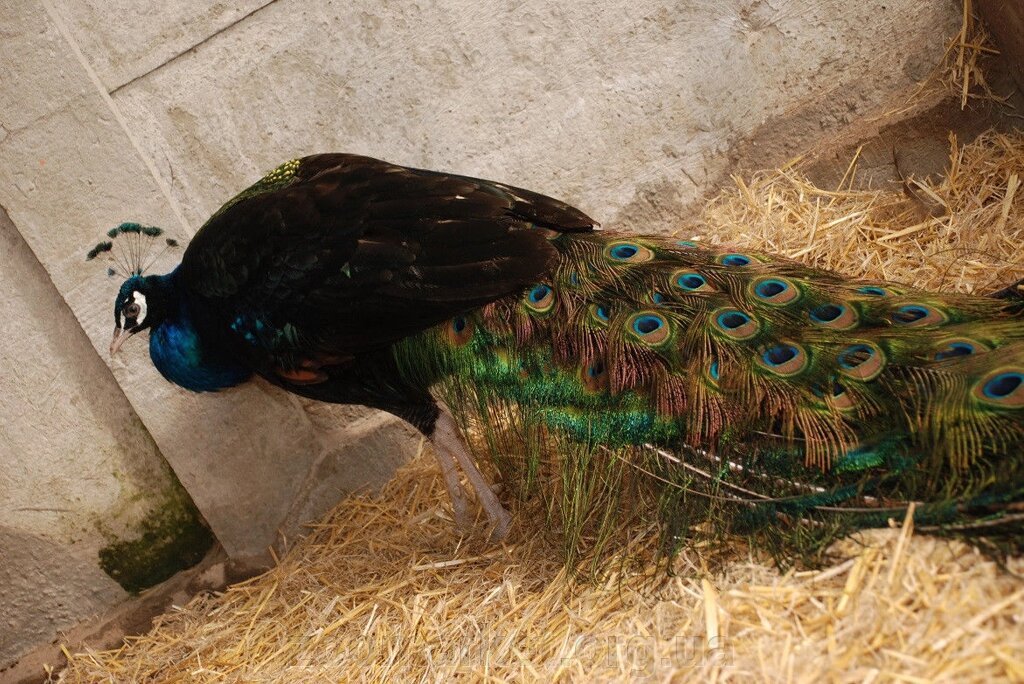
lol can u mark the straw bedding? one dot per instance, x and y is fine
(383, 591)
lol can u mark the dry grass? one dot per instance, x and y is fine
(962, 71)
(384, 590)
(960, 233)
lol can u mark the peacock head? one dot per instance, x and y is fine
(142, 302)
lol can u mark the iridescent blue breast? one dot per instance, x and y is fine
(178, 354)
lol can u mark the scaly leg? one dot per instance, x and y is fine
(460, 504)
(446, 439)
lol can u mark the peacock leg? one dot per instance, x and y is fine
(460, 504)
(446, 438)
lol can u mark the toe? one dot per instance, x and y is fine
(501, 522)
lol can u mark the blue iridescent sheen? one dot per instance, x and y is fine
(645, 325)
(770, 288)
(826, 313)
(691, 281)
(623, 252)
(779, 354)
(181, 357)
(850, 357)
(538, 293)
(909, 313)
(735, 260)
(1003, 385)
(732, 319)
(954, 350)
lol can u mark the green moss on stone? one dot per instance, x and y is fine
(172, 537)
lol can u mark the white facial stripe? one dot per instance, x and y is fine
(140, 299)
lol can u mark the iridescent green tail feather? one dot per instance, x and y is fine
(737, 393)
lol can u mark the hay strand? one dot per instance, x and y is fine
(886, 234)
(373, 596)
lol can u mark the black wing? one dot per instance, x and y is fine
(355, 253)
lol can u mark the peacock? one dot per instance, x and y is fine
(731, 393)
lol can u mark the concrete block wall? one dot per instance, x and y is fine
(81, 480)
(159, 111)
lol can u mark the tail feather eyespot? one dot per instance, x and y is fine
(650, 328)
(594, 375)
(540, 298)
(600, 314)
(735, 324)
(689, 281)
(786, 359)
(861, 361)
(775, 291)
(627, 253)
(917, 315)
(735, 260)
(1003, 387)
(838, 397)
(841, 399)
(833, 315)
(460, 330)
(957, 347)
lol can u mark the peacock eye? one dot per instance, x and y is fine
(135, 309)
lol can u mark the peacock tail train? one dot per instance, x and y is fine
(738, 394)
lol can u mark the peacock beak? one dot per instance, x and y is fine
(120, 335)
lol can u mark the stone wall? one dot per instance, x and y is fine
(81, 480)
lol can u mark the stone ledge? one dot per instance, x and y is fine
(134, 616)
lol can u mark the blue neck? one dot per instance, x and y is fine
(181, 356)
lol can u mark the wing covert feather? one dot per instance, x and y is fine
(352, 253)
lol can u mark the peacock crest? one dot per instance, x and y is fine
(138, 247)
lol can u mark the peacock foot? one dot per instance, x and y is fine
(449, 450)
